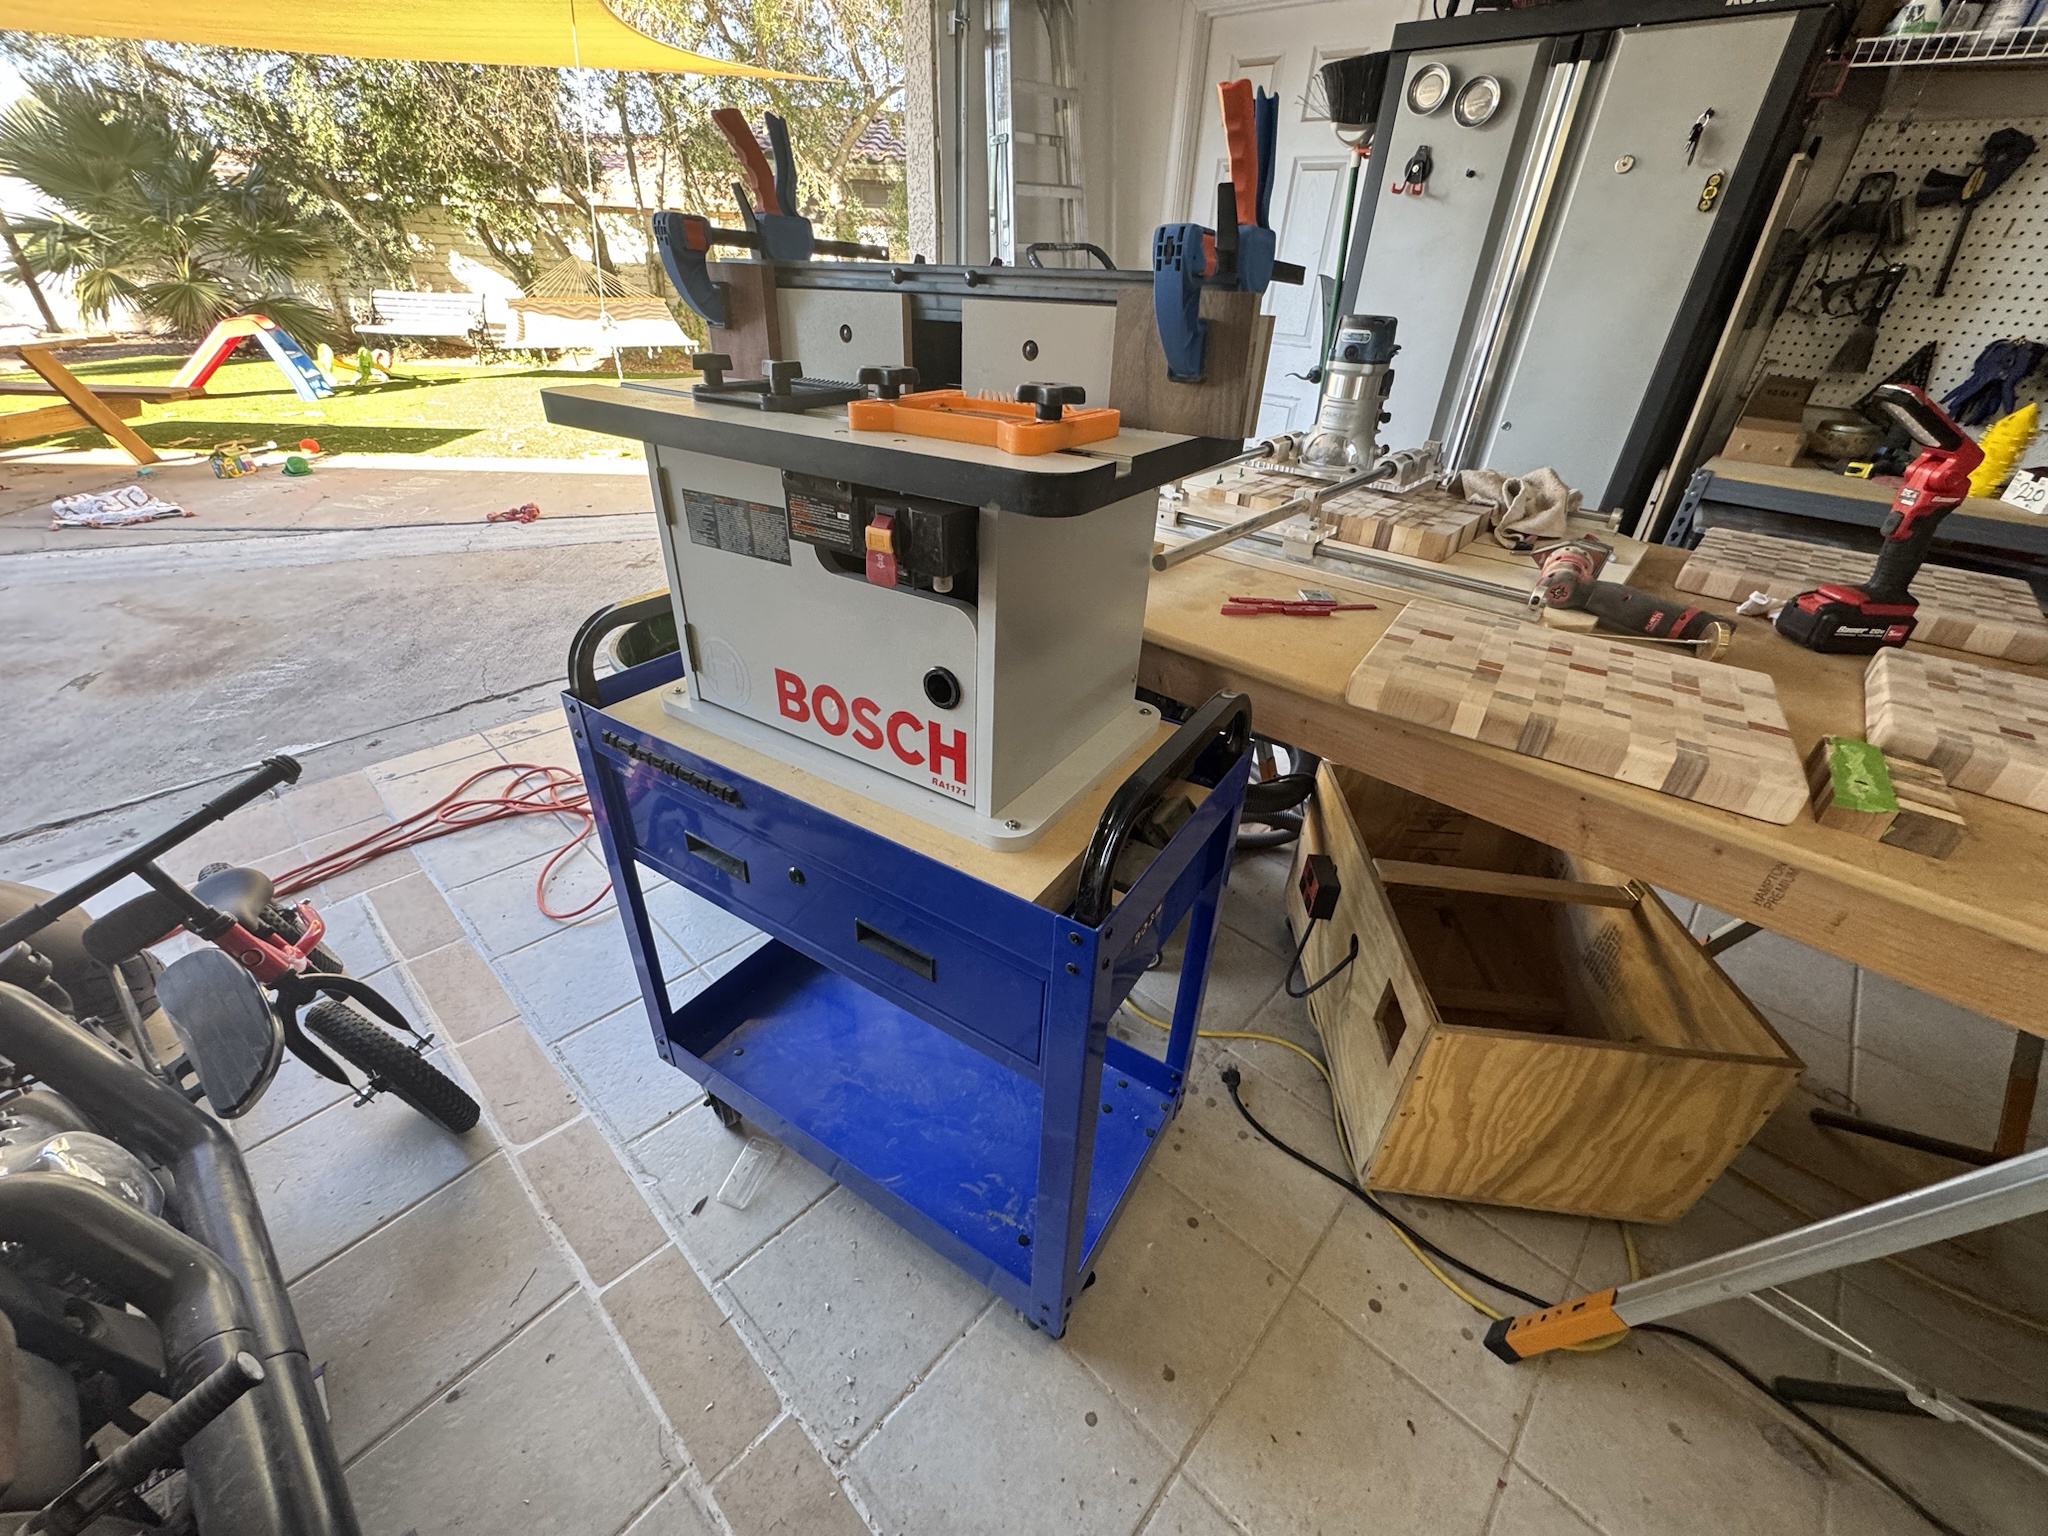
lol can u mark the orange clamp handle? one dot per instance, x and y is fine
(1241, 133)
(740, 135)
(1578, 1321)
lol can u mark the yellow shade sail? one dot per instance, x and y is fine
(556, 34)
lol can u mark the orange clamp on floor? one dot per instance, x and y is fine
(959, 417)
(1578, 1321)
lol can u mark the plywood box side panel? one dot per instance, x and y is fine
(1395, 823)
(1535, 1122)
(1648, 980)
(1382, 988)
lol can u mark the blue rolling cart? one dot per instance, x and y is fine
(936, 1043)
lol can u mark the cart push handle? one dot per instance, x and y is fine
(1225, 720)
(592, 633)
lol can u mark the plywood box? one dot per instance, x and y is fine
(1515, 1041)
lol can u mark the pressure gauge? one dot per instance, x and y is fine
(1430, 88)
(1478, 101)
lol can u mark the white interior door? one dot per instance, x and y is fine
(1281, 48)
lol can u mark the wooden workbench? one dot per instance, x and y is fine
(1972, 929)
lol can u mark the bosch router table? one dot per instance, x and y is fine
(900, 735)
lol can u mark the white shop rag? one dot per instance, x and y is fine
(1537, 505)
(111, 509)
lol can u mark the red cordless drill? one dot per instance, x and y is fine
(1881, 612)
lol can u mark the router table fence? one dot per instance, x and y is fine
(937, 1044)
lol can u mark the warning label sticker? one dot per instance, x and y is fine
(814, 520)
(750, 528)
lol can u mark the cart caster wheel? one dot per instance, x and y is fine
(728, 1117)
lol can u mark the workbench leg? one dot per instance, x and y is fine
(2022, 1084)
(615, 836)
(87, 404)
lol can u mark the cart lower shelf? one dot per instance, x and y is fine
(895, 1108)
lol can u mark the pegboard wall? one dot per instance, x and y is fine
(1998, 288)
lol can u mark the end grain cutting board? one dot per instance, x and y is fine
(1985, 729)
(1424, 522)
(1963, 610)
(1698, 730)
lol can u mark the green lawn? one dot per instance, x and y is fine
(431, 407)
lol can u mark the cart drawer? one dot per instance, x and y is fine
(906, 953)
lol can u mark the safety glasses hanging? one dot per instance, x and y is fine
(1319, 892)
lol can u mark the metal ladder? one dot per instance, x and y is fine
(1044, 199)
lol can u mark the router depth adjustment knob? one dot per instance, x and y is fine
(1051, 399)
(783, 374)
(887, 383)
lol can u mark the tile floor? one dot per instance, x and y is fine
(552, 1325)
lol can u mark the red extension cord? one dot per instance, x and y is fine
(535, 789)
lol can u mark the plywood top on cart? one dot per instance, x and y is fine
(1848, 894)
(1045, 873)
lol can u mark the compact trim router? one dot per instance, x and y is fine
(941, 626)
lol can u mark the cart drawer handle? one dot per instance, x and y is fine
(889, 948)
(716, 856)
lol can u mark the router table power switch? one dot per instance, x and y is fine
(892, 540)
(881, 550)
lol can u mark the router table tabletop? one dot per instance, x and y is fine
(1972, 928)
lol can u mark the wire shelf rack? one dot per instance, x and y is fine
(2011, 45)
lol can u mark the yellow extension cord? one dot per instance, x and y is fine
(1421, 1255)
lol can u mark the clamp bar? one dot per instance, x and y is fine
(1307, 501)
(1969, 1202)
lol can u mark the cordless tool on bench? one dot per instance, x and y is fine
(777, 230)
(1858, 620)
(1238, 253)
(1570, 579)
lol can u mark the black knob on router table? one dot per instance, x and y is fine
(887, 383)
(783, 374)
(942, 688)
(1051, 399)
(712, 365)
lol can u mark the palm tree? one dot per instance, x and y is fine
(147, 218)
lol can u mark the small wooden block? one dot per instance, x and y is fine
(1852, 791)
(1986, 730)
(1961, 610)
(1225, 403)
(754, 338)
(1697, 730)
(1928, 821)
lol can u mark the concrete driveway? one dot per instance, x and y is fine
(347, 617)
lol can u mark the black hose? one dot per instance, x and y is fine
(268, 1463)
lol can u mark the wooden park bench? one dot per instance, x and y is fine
(405, 312)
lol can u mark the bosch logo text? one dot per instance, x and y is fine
(940, 750)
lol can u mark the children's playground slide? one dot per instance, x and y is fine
(306, 378)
